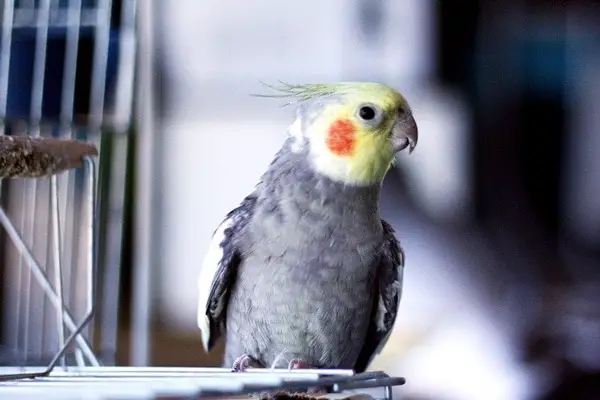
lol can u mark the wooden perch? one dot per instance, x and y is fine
(29, 157)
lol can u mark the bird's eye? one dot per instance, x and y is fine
(367, 113)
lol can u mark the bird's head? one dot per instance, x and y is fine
(351, 131)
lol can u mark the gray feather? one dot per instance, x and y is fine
(226, 273)
(303, 271)
(389, 281)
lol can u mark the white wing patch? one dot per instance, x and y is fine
(210, 265)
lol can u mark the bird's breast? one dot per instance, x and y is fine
(315, 307)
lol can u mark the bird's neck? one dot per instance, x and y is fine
(293, 187)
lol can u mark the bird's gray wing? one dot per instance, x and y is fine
(390, 272)
(219, 272)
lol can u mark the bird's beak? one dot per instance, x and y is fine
(405, 133)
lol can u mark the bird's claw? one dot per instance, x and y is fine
(244, 362)
(296, 363)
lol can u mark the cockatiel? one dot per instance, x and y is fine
(304, 269)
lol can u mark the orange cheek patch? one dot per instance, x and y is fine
(341, 138)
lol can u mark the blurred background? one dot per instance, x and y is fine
(498, 209)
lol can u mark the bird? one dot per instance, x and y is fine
(304, 269)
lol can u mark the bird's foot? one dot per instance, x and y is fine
(296, 363)
(244, 362)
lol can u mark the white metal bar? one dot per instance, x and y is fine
(27, 211)
(92, 235)
(179, 371)
(39, 63)
(22, 297)
(56, 252)
(73, 17)
(132, 382)
(101, 47)
(70, 63)
(43, 312)
(5, 49)
(126, 66)
(143, 221)
(5, 54)
(31, 189)
(98, 79)
(76, 275)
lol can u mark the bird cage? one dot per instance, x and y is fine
(66, 70)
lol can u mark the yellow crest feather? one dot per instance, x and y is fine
(310, 91)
